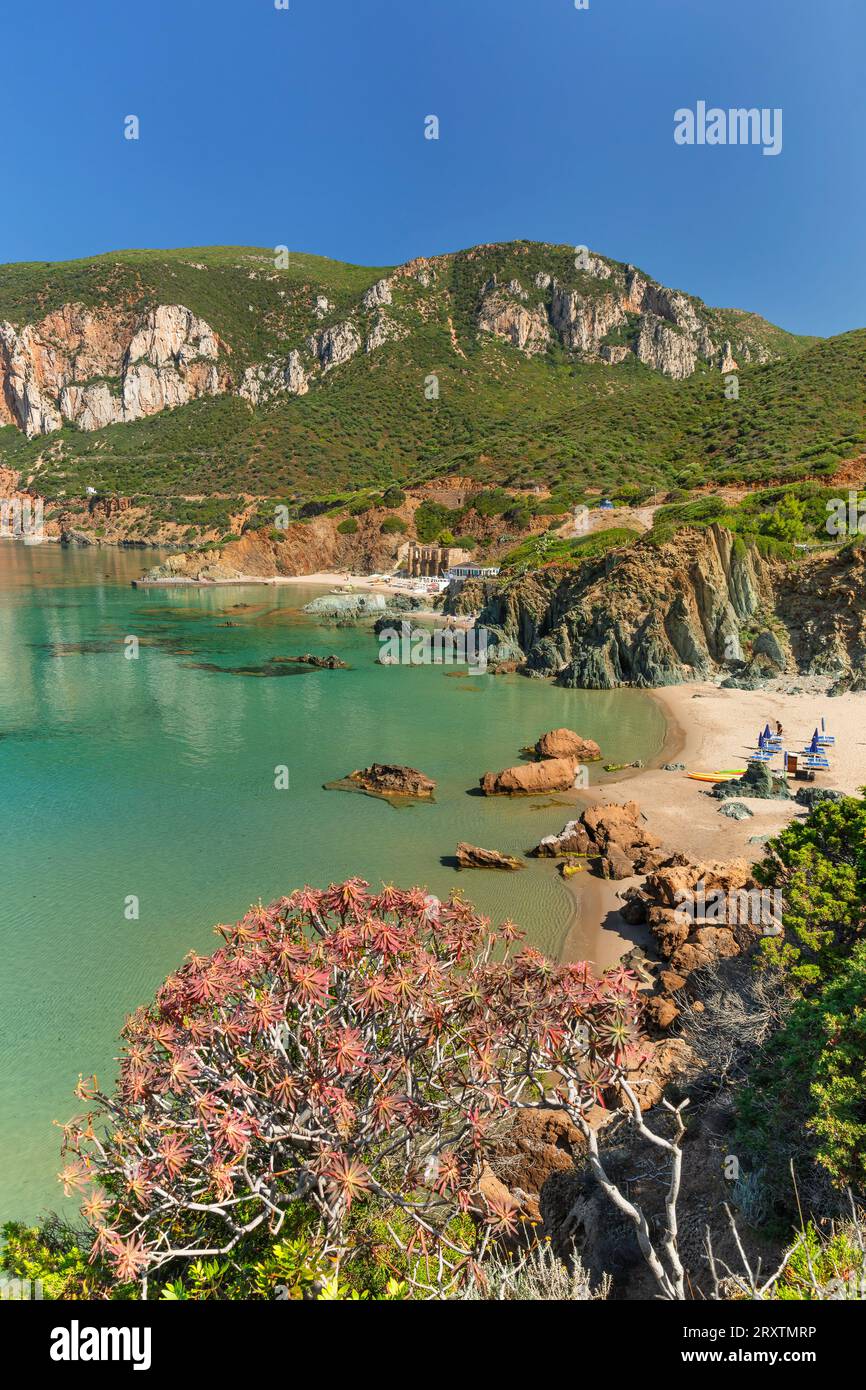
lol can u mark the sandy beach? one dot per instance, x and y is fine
(709, 729)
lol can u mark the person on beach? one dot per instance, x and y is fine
(778, 729)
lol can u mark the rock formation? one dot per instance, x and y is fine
(658, 614)
(324, 663)
(473, 857)
(551, 775)
(612, 838)
(390, 779)
(54, 372)
(697, 914)
(564, 743)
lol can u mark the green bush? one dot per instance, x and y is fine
(820, 867)
(810, 1078)
(431, 519)
(393, 525)
(348, 527)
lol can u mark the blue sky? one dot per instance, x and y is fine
(304, 127)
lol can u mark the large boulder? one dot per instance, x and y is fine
(551, 775)
(572, 839)
(613, 836)
(564, 743)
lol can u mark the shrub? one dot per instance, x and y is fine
(393, 497)
(810, 1080)
(340, 1047)
(820, 866)
(348, 527)
(393, 525)
(787, 522)
(431, 519)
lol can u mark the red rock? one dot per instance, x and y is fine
(564, 743)
(552, 775)
(473, 857)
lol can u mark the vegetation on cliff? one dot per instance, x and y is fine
(499, 413)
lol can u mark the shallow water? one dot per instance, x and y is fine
(154, 777)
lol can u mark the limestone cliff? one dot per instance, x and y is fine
(97, 367)
(665, 329)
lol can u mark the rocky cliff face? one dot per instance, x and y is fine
(663, 328)
(658, 615)
(96, 367)
(649, 615)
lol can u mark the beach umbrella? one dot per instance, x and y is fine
(814, 746)
(767, 733)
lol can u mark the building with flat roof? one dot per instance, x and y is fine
(473, 572)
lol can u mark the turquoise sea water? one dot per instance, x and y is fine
(155, 778)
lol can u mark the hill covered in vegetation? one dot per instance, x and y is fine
(247, 371)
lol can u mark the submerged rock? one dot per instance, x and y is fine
(473, 857)
(388, 780)
(325, 663)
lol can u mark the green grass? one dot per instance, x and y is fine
(550, 549)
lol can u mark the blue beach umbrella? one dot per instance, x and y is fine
(814, 746)
(767, 733)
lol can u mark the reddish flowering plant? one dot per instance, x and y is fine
(338, 1047)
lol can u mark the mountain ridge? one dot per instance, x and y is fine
(506, 360)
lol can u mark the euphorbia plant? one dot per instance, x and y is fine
(340, 1045)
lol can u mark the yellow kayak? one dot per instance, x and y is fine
(730, 776)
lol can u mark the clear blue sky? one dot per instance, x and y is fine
(305, 128)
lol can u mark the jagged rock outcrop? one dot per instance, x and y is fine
(503, 315)
(648, 615)
(697, 914)
(665, 329)
(611, 837)
(263, 382)
(378, 294)
(336, 345)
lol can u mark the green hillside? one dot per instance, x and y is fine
(500, 416)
